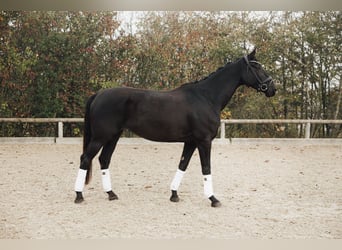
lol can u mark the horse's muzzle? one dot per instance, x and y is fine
(270, 90)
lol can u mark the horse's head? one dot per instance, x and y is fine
(255, 76)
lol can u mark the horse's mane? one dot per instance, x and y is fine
(208, 76)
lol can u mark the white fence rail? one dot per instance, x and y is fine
(61, 121)
(306, 122)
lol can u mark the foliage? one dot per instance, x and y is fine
(50, 62)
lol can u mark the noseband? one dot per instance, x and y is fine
(262, 84)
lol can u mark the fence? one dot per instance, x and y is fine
(61, 121)
(306, 122)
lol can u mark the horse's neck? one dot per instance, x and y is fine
(221, 86)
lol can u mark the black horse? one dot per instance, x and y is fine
(189, 114)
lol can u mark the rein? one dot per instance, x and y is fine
(262, 84)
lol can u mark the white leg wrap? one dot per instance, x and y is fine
(177, 180)
(106, 183)
(208, 186)
(80, 181)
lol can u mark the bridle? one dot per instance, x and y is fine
(262, 84)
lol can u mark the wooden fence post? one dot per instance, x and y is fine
(307, 130)
(60, 130)
(223, 130)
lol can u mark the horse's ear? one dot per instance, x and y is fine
(251, 56)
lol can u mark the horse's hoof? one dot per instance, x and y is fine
(112, 196)
(216, 204)
(79, 200)
(174, 199)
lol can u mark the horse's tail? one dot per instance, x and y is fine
(87, 135)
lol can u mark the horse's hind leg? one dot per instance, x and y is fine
(85, 166)
(188, 151)
(104, 159)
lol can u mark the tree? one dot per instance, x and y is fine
(50, 62)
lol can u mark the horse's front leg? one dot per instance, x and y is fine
(204, 149)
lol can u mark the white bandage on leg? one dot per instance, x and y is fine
(80, 181)
(208, 186)
(177, 180)
(106, 183)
